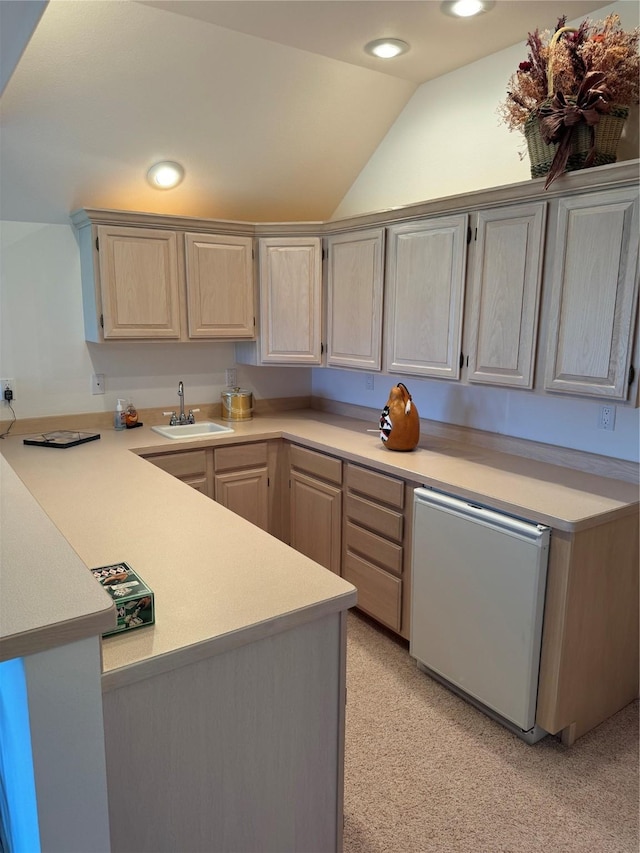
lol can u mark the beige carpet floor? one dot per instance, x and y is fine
(425, 772)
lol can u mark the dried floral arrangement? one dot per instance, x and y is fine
(573, 77)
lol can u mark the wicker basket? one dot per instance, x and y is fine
(607, 136)
(607, 132)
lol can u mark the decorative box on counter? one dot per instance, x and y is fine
(131, 595)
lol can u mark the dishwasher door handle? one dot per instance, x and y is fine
(530, 530)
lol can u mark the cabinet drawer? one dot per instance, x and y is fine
(380, 487)
(379, 593)
(191, 463)
(386, 554)
(325, 467)
(385, 522)
(241, 456)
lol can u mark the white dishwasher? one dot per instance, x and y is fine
(478, 587)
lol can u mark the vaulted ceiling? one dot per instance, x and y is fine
(272, 107)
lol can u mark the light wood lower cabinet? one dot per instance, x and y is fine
(316, 506)
(241, 481)
(362, 532)
(375, 556)
(357, 522)
(193, 467)
(590, 635)
(236, 476)
(243, 477)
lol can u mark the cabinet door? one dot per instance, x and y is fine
(316, 510)
(505, 295)
(219, 286)
(139, 282)
(354, 300)
(425, 278)
(594, 295)
(290, 300)
(245, 493)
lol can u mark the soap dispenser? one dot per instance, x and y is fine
(119, 416)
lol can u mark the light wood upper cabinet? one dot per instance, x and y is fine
(354, 299)
(139, 282)
(426, 263)
(220, 300)
(147, 277)
(505, 294)
(290, 300)
(594, 294)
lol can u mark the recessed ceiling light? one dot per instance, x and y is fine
(386, 48)
(466, 8)
(165, 175)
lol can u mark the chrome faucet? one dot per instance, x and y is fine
(182, 419)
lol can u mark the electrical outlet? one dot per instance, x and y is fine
(97, 383)
(8, 383)
(368, 381)
(231, 377)
(607, 418)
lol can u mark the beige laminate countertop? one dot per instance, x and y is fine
(37, 568)
(548, 494)
(220, 581)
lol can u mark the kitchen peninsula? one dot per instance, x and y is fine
(241, 681)
(224, 721)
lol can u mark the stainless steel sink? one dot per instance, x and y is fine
(201, 430)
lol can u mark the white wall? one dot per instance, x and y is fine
(448, 140)
(42, 344)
